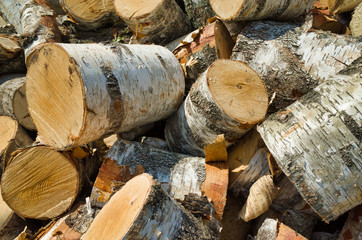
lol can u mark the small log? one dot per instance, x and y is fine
(11, 55)
(321, 131)
(356, 22)
(158, 21)
(94, 91)
(252, 10)
(127, 215)
(13, 100)
(198, 11)
(339, 6)
(352, 228)
(274, 230)
(42, 183)
(228, 98)
(12, 137)
(223, 41)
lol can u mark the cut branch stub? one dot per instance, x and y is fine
(98, 90)
(229, 98)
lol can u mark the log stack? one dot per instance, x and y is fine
(214, 114)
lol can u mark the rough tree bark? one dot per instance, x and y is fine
(316, 142)
(356, 22)
(228, 98)
(13, 100)
(11, 55)
(274, 230)
(158, 21)
(254, 10)
(142, 210)
(98, 90)
(198, 11)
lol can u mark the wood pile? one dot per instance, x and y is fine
(180, 119)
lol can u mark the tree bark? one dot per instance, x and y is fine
(142, 210)
(256, 10)
(356, 22)
(274, 230)
(321, 131)
(11, 55)
(157, 21)
(13, 100)
(102, 90)
(290, 61)
(198, 11)
(228, 98)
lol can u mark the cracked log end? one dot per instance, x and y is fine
(87, 10)
(40, 183)
(136, 9)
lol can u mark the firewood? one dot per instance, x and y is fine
(228, 98)
(158, 21)
(338, 6)
(198, 11)
(11, 55)
(274, 230)
(155, 142)
(42, 183)
(127, 215)
(135, 132)
(98, 90)
(356, 22)
(13, 101)
(55, 5)
(297, 61)
(216, 151)
(315, 142)
(223, 41)
(12, 137)
(352, 228)
(251, 10)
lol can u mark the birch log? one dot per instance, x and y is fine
(198, 11)
(98, 90)
(290, 61)
(142, 210)
(31, 19)
(356, 22)
(11, 55)
(158, 21)
(317, 142)
(12, 137)
(42, 183)
(228, 98)
(13, 100)
(255, 10)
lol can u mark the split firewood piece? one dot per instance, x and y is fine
(274, 230)
(297, 60)
(127, 215)
(11, 225)
(33, 20)
(356, 22)
(257, 167)
(251, 10)
(229, 98)
(223, 41)
(42, 183)
(98, 90)
(11, 55)
(262, 194)
(352, 228)
(198, 11)
(321, 131)
(216, 151)
(13, 100)
(158, 21)
(339, 6)
(12, 137)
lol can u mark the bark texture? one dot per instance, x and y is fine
(274, 230)
(356, 22)
(198, 12)
(323, 171)
(11, 55)
(352, 228)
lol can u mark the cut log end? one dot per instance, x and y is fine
(85, 10)
(55, 95)
(8, 129)
(232, 83)
(40, 183)
(20, 108)
(135, 9)
(227, 10)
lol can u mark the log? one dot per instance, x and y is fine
(42, 183)
(155, 142)
(34, 20)
(228, 98)
(198, 11)
(352, 228)
(12, 137)
(13, 100)
(157, 21)
(291, 61)
(356, 22)
(339, 6)
(223, 41)
(274, 230)
(142, 210)
(300, 140)
(252, 10)
(99, 90)
(11, 55)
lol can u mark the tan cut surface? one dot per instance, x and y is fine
(20, 108)
(8, 128)
(226, 9)
(135, 9)
(5, 212)
(40, 183)
(88, 10)
(238, 91)
(55, 95)
(118, 215)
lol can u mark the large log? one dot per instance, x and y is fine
(158, 21)
(291, 61)
(42, 183)
(11, 55)
(13, 101)
(316, 142)
(98, 90)
(254, 10)
(228, 98)
(142, 210)
(356, 22)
